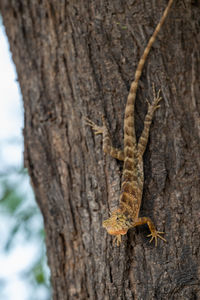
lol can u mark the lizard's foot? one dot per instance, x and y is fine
(156, 98)
(155, 235)
(117, 239)
(97, 129)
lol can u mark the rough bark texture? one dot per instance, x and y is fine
(76, 59)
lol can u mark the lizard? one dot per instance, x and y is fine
(126, 215)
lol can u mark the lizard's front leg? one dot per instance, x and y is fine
(154, 233)
(107, 143)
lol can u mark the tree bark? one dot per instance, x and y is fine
(76, 59)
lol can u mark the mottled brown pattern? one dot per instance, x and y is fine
(129, 152)
(127, 215)
(118, 154)
(128, 131)
(128, 165)
(129, 143)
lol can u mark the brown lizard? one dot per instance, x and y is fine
(127, 214)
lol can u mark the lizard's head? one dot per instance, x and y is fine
(118, 223)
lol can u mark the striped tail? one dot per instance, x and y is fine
(129, 132)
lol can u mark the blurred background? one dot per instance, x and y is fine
(24, 273)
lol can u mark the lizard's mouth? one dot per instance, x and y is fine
(114, 231)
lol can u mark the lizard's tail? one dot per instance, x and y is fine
(129, 110)
(130, 148)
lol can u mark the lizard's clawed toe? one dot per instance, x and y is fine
(155, 235)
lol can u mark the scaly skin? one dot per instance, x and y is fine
(127, 214)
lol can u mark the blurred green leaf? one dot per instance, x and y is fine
(39, 273)
(10, 199)
(11, 237)
(26, 222)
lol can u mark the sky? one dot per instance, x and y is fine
(11, 112)
(12, 264)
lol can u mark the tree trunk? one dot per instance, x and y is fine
(76, 59)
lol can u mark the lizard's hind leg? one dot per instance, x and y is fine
(147, 122)
(107, 143)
